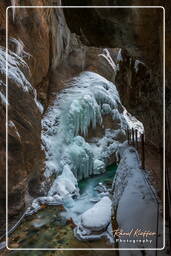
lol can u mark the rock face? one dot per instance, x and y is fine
(129, 29)
(31, 29)
(139, 32)
(42, 39)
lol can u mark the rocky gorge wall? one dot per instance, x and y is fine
(61, 50)
(140, 33)
(32, 27)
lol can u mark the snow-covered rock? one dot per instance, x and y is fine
(100, 188)
(65, 184)
(47, 200)
(94, 220)
(133, 122)
(16, 67)
(99, 166)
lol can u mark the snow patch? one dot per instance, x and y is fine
(119, 56)
(133, 201)
(94, 220)
(19, 45)
(99, 216)
(11, 124)
(13, 9)
(108, 58)
(133, 122)
(136, 65)
(15, 71)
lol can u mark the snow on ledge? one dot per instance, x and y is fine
(133, 201)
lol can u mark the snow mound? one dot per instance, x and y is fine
(66, 184)
(95, 222)
(99, 166)
(99, 216)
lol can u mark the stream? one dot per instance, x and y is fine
(52, 226)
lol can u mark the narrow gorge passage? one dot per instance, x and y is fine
(81, 135)
(73, 153)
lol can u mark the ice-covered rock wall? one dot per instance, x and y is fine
(15, 72)
(24, 112)
(81, 106)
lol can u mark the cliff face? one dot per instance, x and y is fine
(140, 32)
(56, 55)
(39, 45)
(24, 152)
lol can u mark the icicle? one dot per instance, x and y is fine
(20, 48)
(2, 96)
(65, 126)
(136, 65)
(11, 124)
(119, 56)
(107, 56)
(3, 99)
(13, 9)
(15, 73)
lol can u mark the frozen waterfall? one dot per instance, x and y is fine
(81, 106)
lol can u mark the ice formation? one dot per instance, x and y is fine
(80, 106)
(13, 4)
(136, 65)
(19, 48)
(12, 125)
(133, 122)
(15, 72)
(114, 64)
(108, 58)
(119, 56)
(65, 126)
(70, 156)
(2, 93)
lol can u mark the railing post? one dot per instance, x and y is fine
(128, 138)
(133, 141)
(136, 139)
(143, 152)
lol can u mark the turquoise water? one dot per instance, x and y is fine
(88, 194)
(91, 182)
(50, 228)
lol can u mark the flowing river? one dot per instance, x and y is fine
(52, 226)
